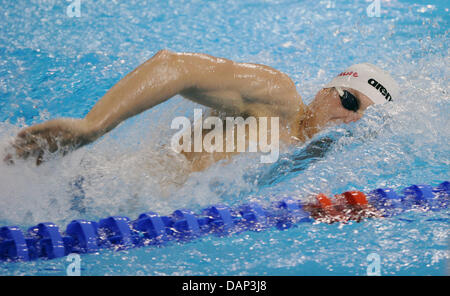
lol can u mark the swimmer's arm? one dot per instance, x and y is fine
(150, 84)
(214, 82)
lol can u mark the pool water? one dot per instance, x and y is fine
(53, 66)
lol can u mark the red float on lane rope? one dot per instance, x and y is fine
(355, 198)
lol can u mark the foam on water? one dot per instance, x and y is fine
(53, 66)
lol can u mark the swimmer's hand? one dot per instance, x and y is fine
(57, 135)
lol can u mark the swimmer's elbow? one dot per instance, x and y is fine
(164, 53)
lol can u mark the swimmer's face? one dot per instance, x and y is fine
(329, 103)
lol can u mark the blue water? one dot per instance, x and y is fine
(55, 66)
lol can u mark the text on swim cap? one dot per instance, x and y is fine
(380, 88)
(354, 74)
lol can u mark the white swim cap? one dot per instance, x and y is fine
(372, 81)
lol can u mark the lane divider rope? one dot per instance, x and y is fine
(119, 232)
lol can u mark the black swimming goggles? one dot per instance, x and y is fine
(348, 100)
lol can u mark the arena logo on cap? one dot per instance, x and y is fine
(380, 88)
(354, 74)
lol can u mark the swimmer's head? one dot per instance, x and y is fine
(369, 80)
(347, 96)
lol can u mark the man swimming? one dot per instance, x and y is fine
(236, 89)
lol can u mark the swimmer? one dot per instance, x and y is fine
(236, 89)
